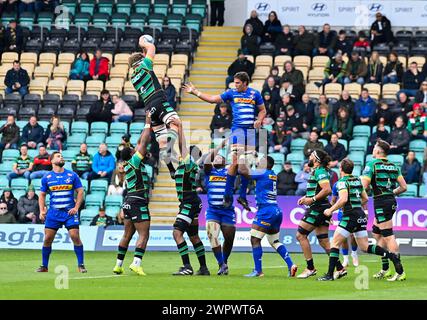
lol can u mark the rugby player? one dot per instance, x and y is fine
(244, 102)
(135, 204)
(352, 196)
(60, 184)
(387, 182)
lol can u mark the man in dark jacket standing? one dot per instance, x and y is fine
(32, 134)
(101, 109)
(13, 38)
(256, 23)
(286, 184)
(17, 79)
(10, 136)
(381, 30)
(239, 65)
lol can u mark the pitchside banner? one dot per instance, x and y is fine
(352, 13)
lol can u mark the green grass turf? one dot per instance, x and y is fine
(19, 281)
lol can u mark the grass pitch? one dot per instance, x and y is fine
(19, 281)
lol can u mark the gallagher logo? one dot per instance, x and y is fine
(319, 7)
(262, 6)
(375, 7)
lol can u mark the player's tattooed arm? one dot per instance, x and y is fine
(402, 186)
(42, 205)
(191, 89)
(145, 138)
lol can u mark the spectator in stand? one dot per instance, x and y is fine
(306, 109)
(28, 207)
(304, 42)
(381, 133)
(404, 106)
(10, 135)
(301, 178)
(287, 88)
(11, 202)
(55, 135)
(46, 5)
(383, 114)
(294, 123)
(323, 122)
(325, 41)
(282, 105)
(270, 86)
(285, 42)
(411, 81)
(80, 68)
(279, 140)
(239, 65)
(417, 124)
(286, 184)
(343, 124)
(99, 67)
(365, 109)
(356, 69)
(424, 69)
(323, 99)
(5, 215)
(256, 24)
(295, 77)
(393, 70)
(411, 168)
(249, 41)
(269, 106)
(101, 110)
(9, 6)
(381, 30)
(101, 219)
(103, 164)
(124, 144)
(22, 166)
(118, 181)
(82, 162)
(121, 112)
(272, 27)
(170, 91)
(41, 164)
(221, 122)
(343, 45)
(362, 45)
(32, 134)
(399, 137)
(17, 80)
(13, 38)
(344, 101)
(334, 71)
(274, 72)
(375, 69)
(2, 33)
(217, 12)
(312, 144)
(421, 96)
(336, 151)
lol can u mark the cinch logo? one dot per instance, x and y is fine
(375, 7)
(215, 178)
(319, 7)
(262, 6)
(61, 187)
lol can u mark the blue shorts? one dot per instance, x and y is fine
(339, 215)
(55, 219)
(243, 136)
(269, 217)
(222, 216)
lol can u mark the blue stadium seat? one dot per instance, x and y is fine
(357, 171)
(417, 145)
(396, 159)
(118, 128)
(95, 140)
(79, 127)
(298, 144)
(87, 215)
(411, 192)
(98, 185)
(113, 200)
(150, 171)
(357, 157)
(94, 200)
(19, 184)
(296, 168)
(143, 6)
(112, 211)
(69, 154)
(357, 145)
(74, 141)
(113, 141)
(279, 158)
(296, 158)
(423, 191)
(10, 154)
(3, 182)
(324, 141)
(124, 6)
(6, 167)
(136, 128)
(361, 131)
(368, 158)
(85, 185)
(36, 183)
(99, 127)
(344, 143)
(19, 193)
(277, 168)
(33, 153)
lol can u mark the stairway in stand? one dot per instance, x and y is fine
(217, 50)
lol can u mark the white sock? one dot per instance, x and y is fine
(136, 261)
(119, 262)
(345, 259)
(354, 253)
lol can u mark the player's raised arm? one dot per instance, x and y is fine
(207, 166)
(191, 89)
(148, 47)
(145, 138)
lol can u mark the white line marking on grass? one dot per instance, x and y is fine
(100, 277)
(274, 267)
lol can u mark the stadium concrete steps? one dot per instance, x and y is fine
(217, 50)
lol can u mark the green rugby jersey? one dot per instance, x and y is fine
(354, 187)
(22, 163)
(137, 182)
(383, 175)
(185, 179)
(145, 80)
(82, 162)
(318, 176)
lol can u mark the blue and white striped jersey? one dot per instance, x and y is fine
(215, 182)
(265, 189)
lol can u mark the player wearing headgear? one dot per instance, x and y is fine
(316, 200)
(268, 217)
(387, 182)
(60, 184)
(135, 204)
(352, 196)
(218, 217)
(150, 90)
(190, 206)
(245, 102)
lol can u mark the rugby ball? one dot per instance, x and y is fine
(148, 38)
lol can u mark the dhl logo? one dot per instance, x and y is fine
(265, 223)
(61, 187)
(271, 177)
(216, 178)
(244, 100)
